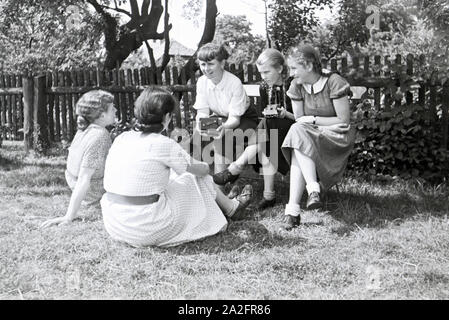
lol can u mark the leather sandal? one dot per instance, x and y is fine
(244, 199)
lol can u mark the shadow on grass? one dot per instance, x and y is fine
(9, 164)
(363, 203)
(376, 210)
(242, 235)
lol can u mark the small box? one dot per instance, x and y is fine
(271, 111)
(210, 124)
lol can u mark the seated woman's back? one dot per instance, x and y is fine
(139, 164)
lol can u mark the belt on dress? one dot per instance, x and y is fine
(133, 200)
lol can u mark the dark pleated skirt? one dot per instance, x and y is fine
(271, 135)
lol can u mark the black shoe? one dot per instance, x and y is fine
(266, 203)
(244, 200)
(235, 191)
(224, 177)
(314, 201)
(289, 222)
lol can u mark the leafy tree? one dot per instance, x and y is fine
(235, 32)
(42, 25)
(436, 16)
(290, 19)
(350, 32)
(36, 36)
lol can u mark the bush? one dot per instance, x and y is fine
(404, 142)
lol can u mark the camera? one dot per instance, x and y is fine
(271, 111)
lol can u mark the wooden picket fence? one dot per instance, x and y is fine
(59, 91)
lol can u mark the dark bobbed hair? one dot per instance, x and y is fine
(90, 107)
(150, 108)
(211, 51)
(305, 53)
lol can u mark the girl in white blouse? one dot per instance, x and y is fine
(221, 93)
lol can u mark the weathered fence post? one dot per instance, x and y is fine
(41, 141)
(28, 103)
(445, 115)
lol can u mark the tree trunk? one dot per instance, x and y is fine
(142, 27)
(208, 33)
(28, 103)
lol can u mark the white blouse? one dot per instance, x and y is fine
(227, 98)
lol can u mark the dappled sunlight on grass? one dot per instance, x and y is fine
(374, 240)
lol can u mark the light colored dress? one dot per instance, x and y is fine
(329, 150)
(89, 149)
(146, 164)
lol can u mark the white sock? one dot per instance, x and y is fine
(269, 195)
(235, 169)
(313, 187)
(235, 204)
(292, 209)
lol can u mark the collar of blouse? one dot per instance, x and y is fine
(221, 85)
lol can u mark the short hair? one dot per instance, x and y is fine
(305, 53)
(274, 58)
(150, 108)
(211, 51)
(90, 107)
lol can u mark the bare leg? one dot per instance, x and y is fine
(268, 185)
(218, 167)
(247, 155)
(226, 205)
(308, 169)
(297, 181)
(268, 171)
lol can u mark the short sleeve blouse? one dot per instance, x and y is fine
(89, 149)
(139, 164)
(227, 98)
(318, 97)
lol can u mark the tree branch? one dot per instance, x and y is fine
(167, 27)
(110, 25)
(150, 54)
(145, 7)
(134, 8)
(208, 32)
(209, 24)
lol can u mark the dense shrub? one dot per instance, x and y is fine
(403, 142)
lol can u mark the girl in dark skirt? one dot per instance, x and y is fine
(264, 150)
(222, 93)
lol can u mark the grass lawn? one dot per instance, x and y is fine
(379, 240)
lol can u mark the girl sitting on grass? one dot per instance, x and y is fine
(156, 194)
(87, 153)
